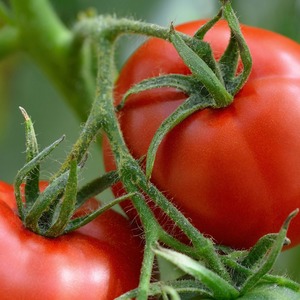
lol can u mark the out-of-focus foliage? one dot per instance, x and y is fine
(23, 84)
(276, 15)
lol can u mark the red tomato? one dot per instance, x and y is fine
(234, 172)
(98, 261)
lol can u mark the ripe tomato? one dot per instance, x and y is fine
(234, 172)
(98, 261)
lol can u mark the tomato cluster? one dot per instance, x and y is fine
(98, 261)
(234, 172)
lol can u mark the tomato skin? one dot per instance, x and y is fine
(98, 261)
(234, 172)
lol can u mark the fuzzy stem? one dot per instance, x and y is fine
(103, 116)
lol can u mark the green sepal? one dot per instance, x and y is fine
(169, 293)
(22, 173)
(184, 83)
(191, 105)
(81, 221)
(242, 261)
(264, 265)
(43, 203)
(202, 72)
(204, 51)
(267, 291)
(219, 287)
(244, 51)
(200, 33)
(282, 281)
(65, 208)
(185, 288)
(229, 62)
(258, 251)
(95, 187)
(32, 178)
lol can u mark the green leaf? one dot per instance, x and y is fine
(219, 287)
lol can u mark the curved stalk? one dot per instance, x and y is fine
(102, 116)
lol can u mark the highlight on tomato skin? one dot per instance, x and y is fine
(234, 172)
(101, 260)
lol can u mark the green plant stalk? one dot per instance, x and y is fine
(110, 29)
(102, 116)
(53, 47)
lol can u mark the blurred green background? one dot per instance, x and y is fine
(23, 84)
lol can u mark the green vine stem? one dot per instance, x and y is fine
(102, 116)
(42, 35)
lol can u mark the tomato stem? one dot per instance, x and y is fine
(102, 116)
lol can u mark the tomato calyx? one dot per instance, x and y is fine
(52, 212)
(211, 84)
(249, 271)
